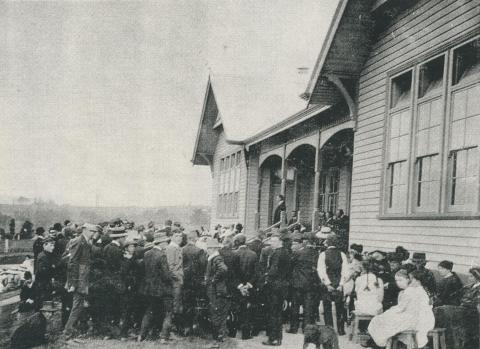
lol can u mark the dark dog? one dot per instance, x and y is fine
(320, 335)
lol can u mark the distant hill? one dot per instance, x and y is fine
(45, 214)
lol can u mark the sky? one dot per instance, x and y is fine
(100, 101)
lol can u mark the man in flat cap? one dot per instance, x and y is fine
(78, 270)
(419, 259)
(332, 269)
(305, 282)
(246, 261)
(175, 264)
(215, 279)
(157, 287)
(46, 273)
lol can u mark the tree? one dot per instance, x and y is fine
(200, 217)
(12, 229)
(26, 232)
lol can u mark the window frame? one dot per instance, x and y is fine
(229, 185)
(445, 93)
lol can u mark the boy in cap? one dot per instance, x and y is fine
(46, 264)
(448, 286)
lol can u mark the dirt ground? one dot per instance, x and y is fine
(290, 341)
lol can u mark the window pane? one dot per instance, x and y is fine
(436, 112)
(472, 131)
(431, 77)
(400, 90)
(473, 101)
(466, 62)
(423, 116)
(397, 187)
(457, 135)
(459, 100)
(434, 140)
(463, 180)
(395, 125)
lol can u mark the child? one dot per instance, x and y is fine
(27, 295)
(413, 312)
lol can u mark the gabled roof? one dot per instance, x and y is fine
(344, 51)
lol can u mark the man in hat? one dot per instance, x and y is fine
(45, 274)
(419, 259)
(246, 261)
(38, 245)
(277, 279)
(305, 282)
(332, 269)
(194, 265)
(157, 287)
(78, 270)
(175, 265)
(215, 279)
(256, 244)
(113, 254)
(449, 285)
(132, 275)
(281, 207)
(391, 290)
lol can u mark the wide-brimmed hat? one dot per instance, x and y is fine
(117, 232)
(419, 257)
(92, 227)
(332, 240)
(160, 237)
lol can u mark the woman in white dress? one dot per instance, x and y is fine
(369, 291)
(413, 312)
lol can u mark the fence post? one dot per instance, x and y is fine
(6, 245)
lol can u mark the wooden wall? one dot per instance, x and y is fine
(222, 150)
(416, 31)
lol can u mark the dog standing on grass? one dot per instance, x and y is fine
(320, 335)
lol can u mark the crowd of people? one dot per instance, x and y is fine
(116, 280)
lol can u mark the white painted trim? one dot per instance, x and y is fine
(328, 133)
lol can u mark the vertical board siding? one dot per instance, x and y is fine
(425, 26)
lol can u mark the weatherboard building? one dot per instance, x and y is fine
(389, 133)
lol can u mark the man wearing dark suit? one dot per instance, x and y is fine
(157, 287)
(78, 270)
(115, 278)
(245, 268)
(277, 279)
(194, 265)
(229, 258)
(281, 207)
(215, 279)
(305, 282)
(46, 264)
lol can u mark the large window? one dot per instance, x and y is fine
(436, 170)
(329, 184)
(229, 186)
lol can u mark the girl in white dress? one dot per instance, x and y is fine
(369, 291)
(413, 312)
